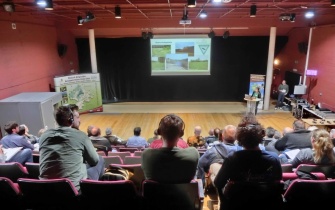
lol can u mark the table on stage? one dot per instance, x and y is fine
(251, 104)
(326, 123)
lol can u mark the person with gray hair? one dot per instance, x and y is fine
(298, 139)
(113, 139)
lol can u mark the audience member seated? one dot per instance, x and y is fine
(322, 152)
(89, 130)
(158, 143)
(12, 140)
(97, 139)
(251, 164)
(2, 155)
(67, 152)
(156, 136)
(300, 138)
(170, 164)
(113, 139)
(137, 140)
(214, 157)
(24, 131)
(196, 140)
(269, 135)
(211, 138)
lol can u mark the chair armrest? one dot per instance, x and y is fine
(201, 189)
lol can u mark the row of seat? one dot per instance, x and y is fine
(60, 194)
(321, 171)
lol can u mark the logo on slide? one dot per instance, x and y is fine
(203, 48)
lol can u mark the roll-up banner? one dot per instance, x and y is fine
(257, 80)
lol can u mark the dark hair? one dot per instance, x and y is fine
(217, 132)
(249, 132)
(137, 131)
(270, 132)
(9, 126)
(63, 116)
(73, 107)
(89, 130)
(22, 130)
(171, 127)
(250, 135)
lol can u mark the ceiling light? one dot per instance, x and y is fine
(253, 10)
(292, 17)
(117, 12)
(191, 3)
(309, 14)
(211, 34)
(226, 34)
(41, 3)
(203, 14)
(8, 6)
(332, 3)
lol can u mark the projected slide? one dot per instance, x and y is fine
(180, 56)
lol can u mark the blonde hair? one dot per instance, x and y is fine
(322, 145)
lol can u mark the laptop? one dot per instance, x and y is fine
(247, 96)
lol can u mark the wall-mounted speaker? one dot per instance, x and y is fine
(302, 47)
(61, 48)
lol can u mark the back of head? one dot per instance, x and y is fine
(95, 131)
(298, 125)
(211, 132)
(217, 132)
(249, 118)
(137, 131)
(9, 126)
(287, 130)
(322, 145)
(64, 116)
(108, 131)
(332, 133)
(22, 130)
(171, 128)
(277, 135)
(249, 133)
(156, 132)
(197, 130)
(229, 134)
(89, 130)
(270, 132)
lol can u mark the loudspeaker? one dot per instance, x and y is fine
(61, 48)
(174, 117)
(302, 47)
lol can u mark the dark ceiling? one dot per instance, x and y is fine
(163, 16)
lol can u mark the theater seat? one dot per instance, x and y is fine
(10, 194)
(101, 195)
(13, 171)
(48, 194)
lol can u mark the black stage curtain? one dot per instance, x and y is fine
(124, 67)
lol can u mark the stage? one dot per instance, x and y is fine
(181, 107)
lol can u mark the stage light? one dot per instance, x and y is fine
(191, 3)
(80, 20)
(253, 10)
(89, 16)
(203, 14)
(332, 3)
(150, 35)
(292, 17)
(309, 14)
(8, 6)
(211, 34)
(49, 5)
(226, 34)
(117, 12)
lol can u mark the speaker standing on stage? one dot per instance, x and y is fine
(256, 94)
(282, 91)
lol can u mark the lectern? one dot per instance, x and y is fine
(251, 104)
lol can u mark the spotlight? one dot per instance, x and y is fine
(332, 3)
(117, 12)
(80, 21)
(144, 35)
(309, 14)
(292, 17)
(8, 6)
(48, 5)
(150, 35)
(226, 34)
(191, 3)
(211, 34)
(89, 16)
(203, 14)
(253, 10)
